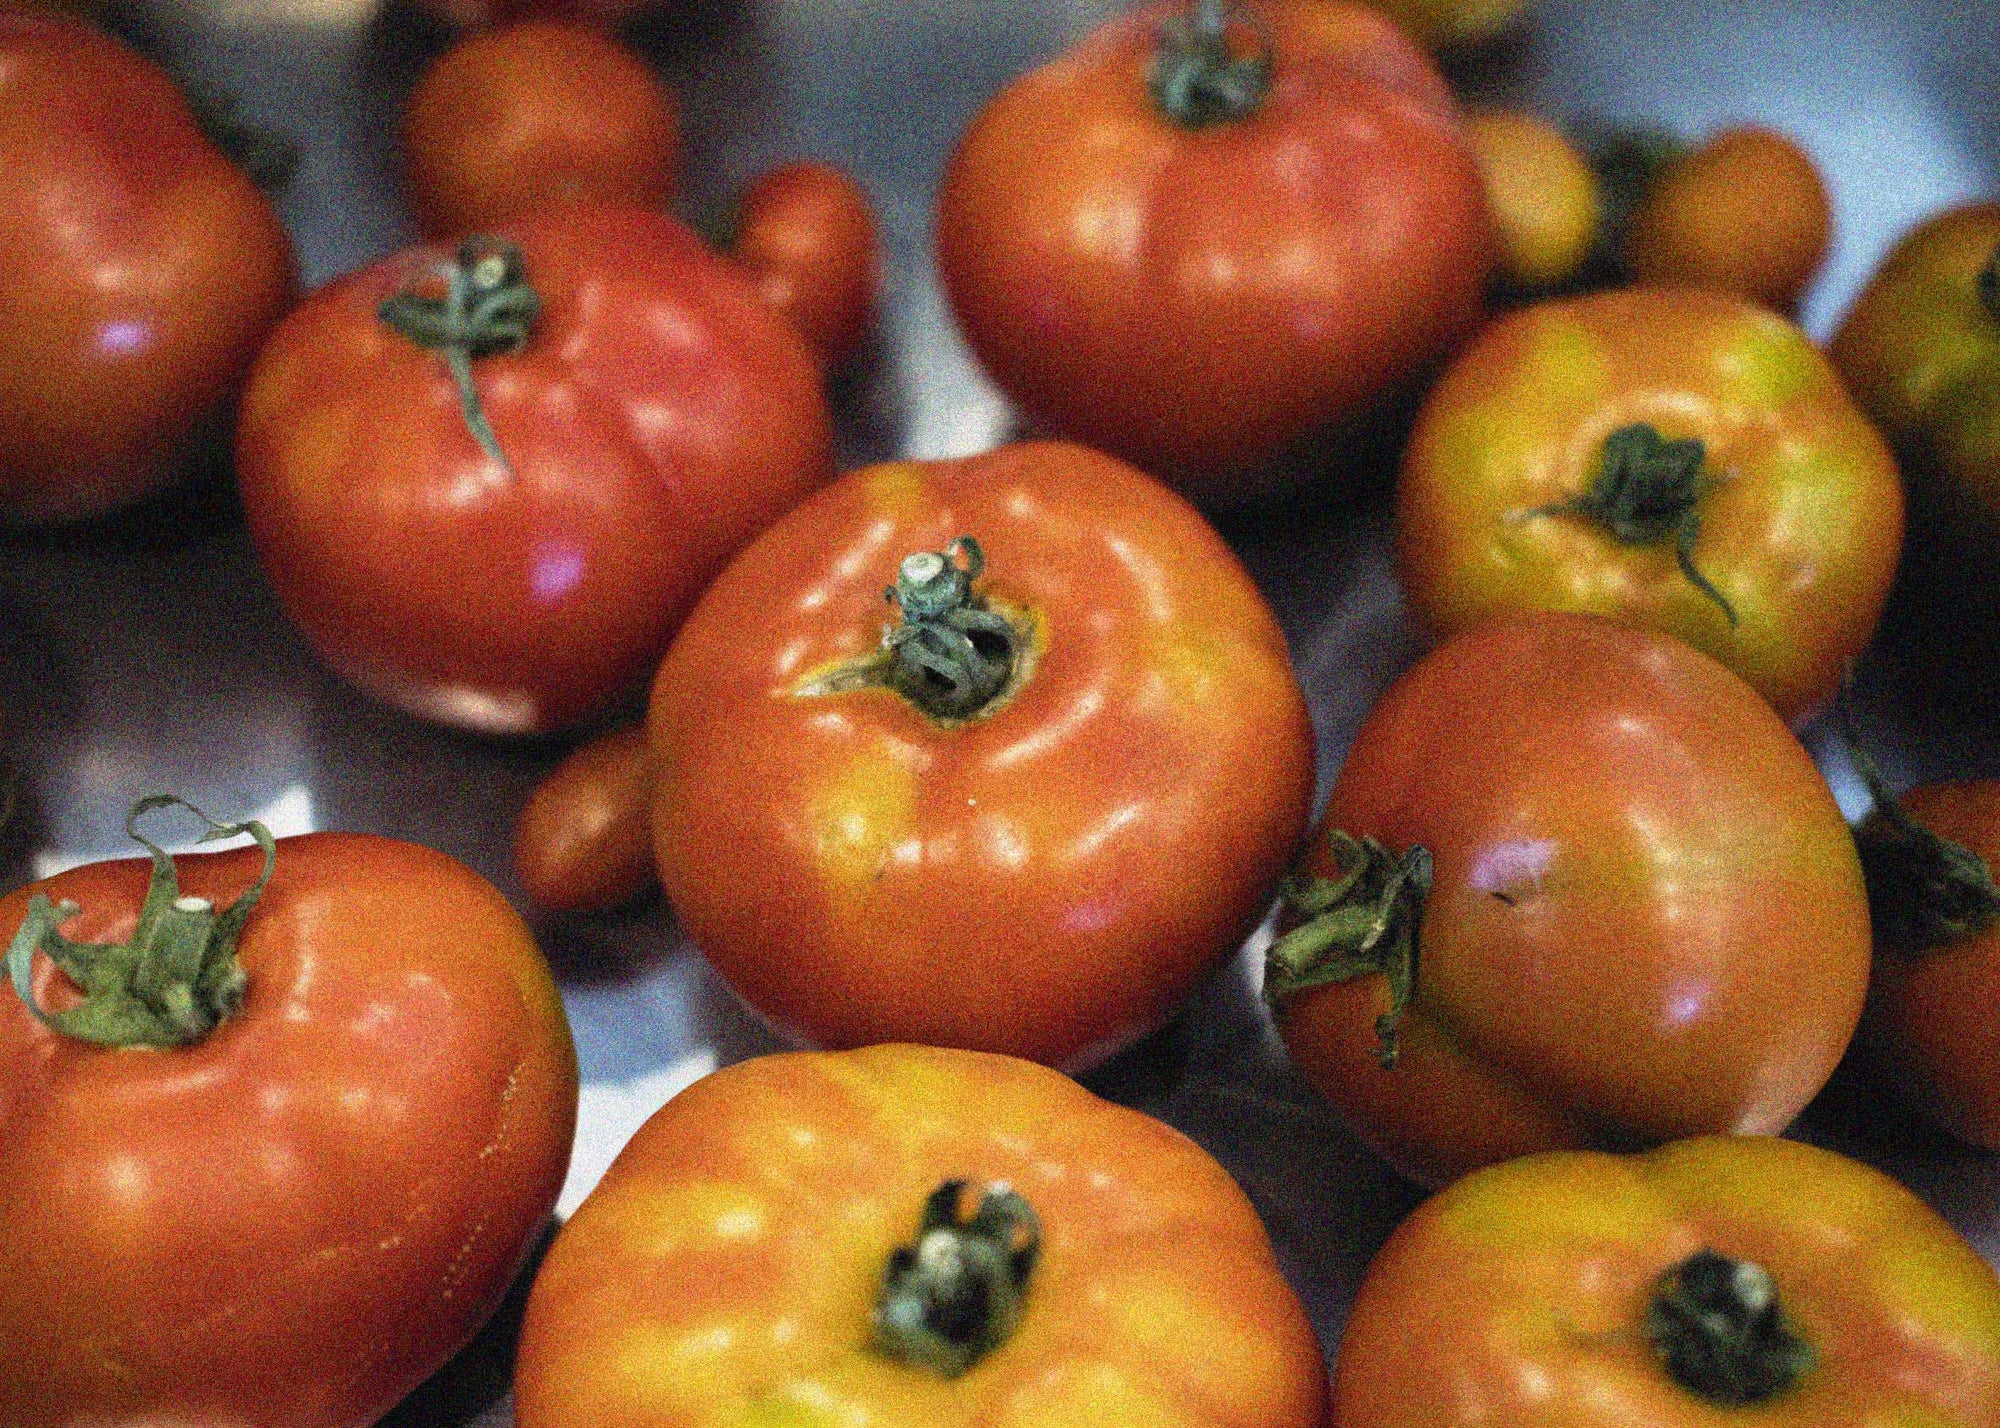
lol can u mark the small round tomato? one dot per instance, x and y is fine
(1206, 245)
(489, 484)
(1543, 193)
(585, 842)
(270, 1158)
(913, 1238)
(1679, 460)
(1747, 1281)
(1745, 213)
(534, 117)
(807, 236)
(1023, 818)
(1576, 885)
(142, 271)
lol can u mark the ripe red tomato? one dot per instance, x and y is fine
(807, 236)
(1680, 460)
(534, 117)
(1621, 906)
(647, 416)
(584, 842)
(1036, 854)
(731, 1267)
(1208, 295)
(1746, 1281)
(142, 271)
(296, 1217)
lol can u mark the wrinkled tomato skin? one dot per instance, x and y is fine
(294, 1222)
(657, 419)
(1800, 529)
(1206, 304)
(1045, 881)
(1648, 918)
(1517, 1298)
(143, 270)
(724, 1270)
(1933, 1019)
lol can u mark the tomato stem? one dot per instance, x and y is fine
(486, 308)
(1989, 285)
(1365, 920)
(956, 1293)
(1198, 78)
(176, 980)
(1717, 1326)
(1648, 490)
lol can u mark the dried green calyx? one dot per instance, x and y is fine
(1200, 77)
(957, 1291)
(1717, 1327)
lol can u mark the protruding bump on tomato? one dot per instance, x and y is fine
(1989, 285)
(1200, 78)
(1365, 920)
(1648, 490)
(485, 308)
(1716, 1325)
(175, 980)
(956, 1292)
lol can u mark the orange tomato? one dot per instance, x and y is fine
(807, 237)
(584, 842)
(1543, 193)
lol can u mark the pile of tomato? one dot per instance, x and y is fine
(966, 773)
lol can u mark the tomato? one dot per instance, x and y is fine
(293, 1218)
(643, 415)
(1027, 817)
(533, 117)
(1745, 213)
(1747, 1281)
(1679, 460)
(143, 271)
(731, 1267)
(1621, 906)
(584, 842)
(807, 237)
(1452, 22)
(1212, 296)
(1546, 207)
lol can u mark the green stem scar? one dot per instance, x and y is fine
(1198, 79)
(1648, 490)
(176, 980)
(956, 1292)
(1364, 920)
(486, 308)
(1716, 1325)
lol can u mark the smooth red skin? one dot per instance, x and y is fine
(124, 225)
(1691, 957)
(1047, 881)
(584, 842)
(1934, 1019)
(1204, 303)
(296, 1221)
(657, 419)
(807, 237)
(537, 116)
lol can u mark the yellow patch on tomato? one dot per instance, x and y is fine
(862, 814)
(1088, 1393)
(897, 489)
(1770, 364)
(1228, 1363)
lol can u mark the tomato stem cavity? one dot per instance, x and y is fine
(1716, 1325)
(176, 980)
(956, 1293)
(486, 308)
(1989, 285)
(1199, 79)
(1363, 921)
(1648, 490)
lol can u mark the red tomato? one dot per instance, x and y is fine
(584, 842)
(1207, 296)
(1042, 865)
(533, 117)
(1745, 1281)
(1636, 913)
(651, 419)
(294, 1219)
(807, 237)
(142, 271)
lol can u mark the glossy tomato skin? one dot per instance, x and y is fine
(807, 237)
(1208, 303)
(143, 271)
(1800, 527)
(657, 419)
(1648, 919)
(1047, 880)
(584, 842)
(752, 1217)
(1517, 1298)
(297, 1220)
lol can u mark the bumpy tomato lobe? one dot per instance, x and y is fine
(806, 234)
